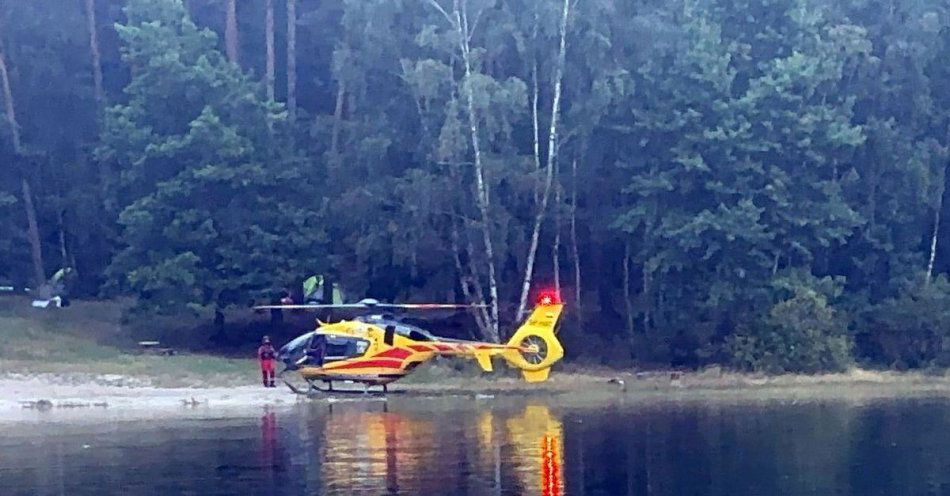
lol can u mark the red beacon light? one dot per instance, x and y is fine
(548, 298)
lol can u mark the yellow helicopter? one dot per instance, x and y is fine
(375, 349)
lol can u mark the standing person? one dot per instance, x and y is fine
(267, 356)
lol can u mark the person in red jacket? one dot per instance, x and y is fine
(267, 356)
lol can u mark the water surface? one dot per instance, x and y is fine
(491, 447)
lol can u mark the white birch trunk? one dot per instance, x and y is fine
(936, 230)
(465, 281)
(575, 251)
(482, 196)
(536, 127)
(269, 42)
(231, 32)
(292, 60)
(94, 53)
(33, 233)
(335, 159)
(556, 249)
(552, 157)
(63, 252)
(627, 301)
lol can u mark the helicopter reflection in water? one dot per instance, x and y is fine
(375, 452)
(538, 439)
(384, 452)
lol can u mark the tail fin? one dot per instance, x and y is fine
(540, 349)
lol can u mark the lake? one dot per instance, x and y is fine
(488, 446)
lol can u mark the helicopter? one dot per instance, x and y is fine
(375, 349)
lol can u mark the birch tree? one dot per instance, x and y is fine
(231, 42)
(33, 231)
(551, 157)
(292, 60)
(269, 47)
(458, 19)
(94, 53)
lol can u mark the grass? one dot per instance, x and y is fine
(89, 339)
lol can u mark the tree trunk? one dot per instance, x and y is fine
(627, 301)
(552, 157)
(269, 42)
(231, 33)
(292, 59)
(33, 231)
(647, 300)
(936, 229)
(465, 281)
(95, 54)
(482, 196)
(33, 234)
(9, 108)
(535, 126)
(575, 251)
(556, 249)
(63, 252)
(335, 159)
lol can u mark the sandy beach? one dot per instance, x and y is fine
(92, 397)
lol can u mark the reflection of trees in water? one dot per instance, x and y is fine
(372, 451)
(831, 448)
(877, 449)
(904, 447)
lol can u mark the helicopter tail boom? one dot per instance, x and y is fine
(533, 348)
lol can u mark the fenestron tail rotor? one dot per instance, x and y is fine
(534, 349)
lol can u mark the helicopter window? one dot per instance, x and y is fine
(342, 348)
(412, 332)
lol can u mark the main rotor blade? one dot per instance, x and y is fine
(427, 306)
(296, 307)
(370, 306)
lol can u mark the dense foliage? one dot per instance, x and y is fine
(757, 183)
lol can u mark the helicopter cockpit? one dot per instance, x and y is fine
(315, 348)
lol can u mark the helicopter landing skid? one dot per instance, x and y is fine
(313, 390)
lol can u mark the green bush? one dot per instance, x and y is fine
(911, 330)
(801, 334)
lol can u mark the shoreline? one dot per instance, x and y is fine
(39, 396)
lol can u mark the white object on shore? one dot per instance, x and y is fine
(56, 300)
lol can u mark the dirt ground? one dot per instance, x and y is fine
(42, 396)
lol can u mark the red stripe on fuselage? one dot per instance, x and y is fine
(420, 348)
(397, 353)
(386, 364)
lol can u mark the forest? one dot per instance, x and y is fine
(758, 184)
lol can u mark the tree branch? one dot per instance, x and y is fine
(438, 7)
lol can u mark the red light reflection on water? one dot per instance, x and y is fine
(550, 483)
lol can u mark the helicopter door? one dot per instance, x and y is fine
(344, 348)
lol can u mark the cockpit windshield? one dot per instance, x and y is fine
(293, 351)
